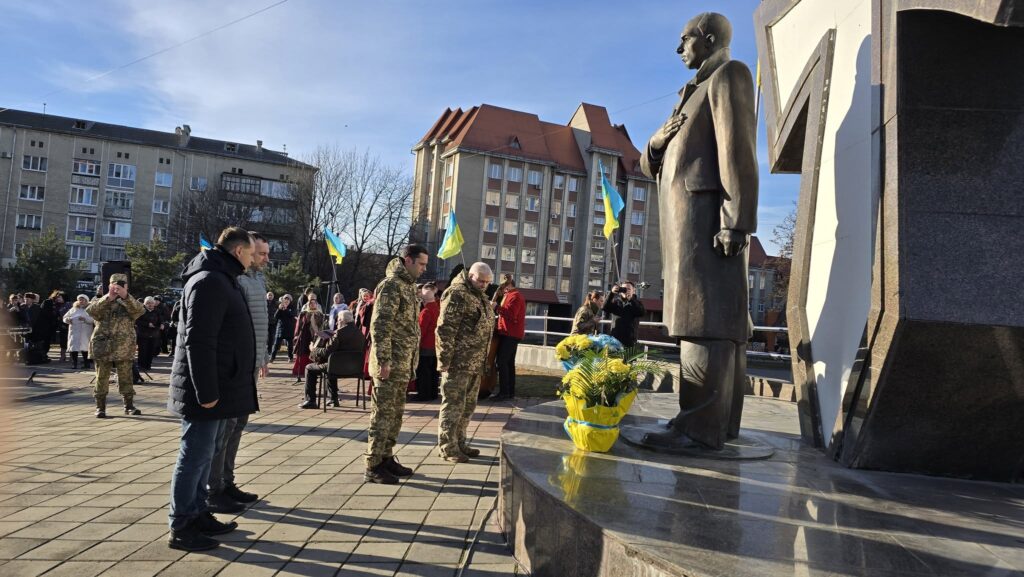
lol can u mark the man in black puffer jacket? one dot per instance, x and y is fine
(212, 380)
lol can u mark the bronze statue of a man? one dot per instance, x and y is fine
(705, 162)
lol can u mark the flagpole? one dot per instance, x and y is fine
(615, 261)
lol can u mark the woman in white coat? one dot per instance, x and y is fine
(80, 330)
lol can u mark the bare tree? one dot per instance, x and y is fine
(322, 196)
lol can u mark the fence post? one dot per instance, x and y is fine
(545, 339)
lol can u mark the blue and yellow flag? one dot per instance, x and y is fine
(204, 244)
(613, 204)
(451, 245)
(335, 247)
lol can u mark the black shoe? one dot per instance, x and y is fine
(470, 452)
(396, 468)
(221, 503)
(232, 491)
(335, 402)
(309, 405)
(131, 410)
(190, 539)
(380, 474)
(209, 525)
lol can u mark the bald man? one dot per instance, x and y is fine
(462, 335)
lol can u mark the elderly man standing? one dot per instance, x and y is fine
(395, 333)
(463, 333)
(113, 342)
(225, 496)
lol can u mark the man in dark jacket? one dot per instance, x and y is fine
(212, 380)
(626, 310)
(346, 338)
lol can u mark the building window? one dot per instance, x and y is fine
(567, 260)
(118, 228)
(549, 284)
(493, 198)
(529, 256)
(552, 258)
(197, 183)
(33, 221)
(511, 227)
(532, 203)
(489, 251)
(86, 167)
(750, 281)
(595, 283)
(639, 193)
(559, 181)
(230, 147)
(530, 229)
(490, 224)
(512, 201)
(554, 233)
(637, 218)
(83, 195)
(596, 269)
(81, 229)
(242, 184)
(449, 168)
(31, 192)
(598, 204)
(535, 178)
(564, 286)
(164, 179)
(598, 244)
(569, 233)
(526, 281)
(121, 175)
(37, 163)
(762, 280)
(496, 170)
(598, 219)
(508, 253)
(515, 174)
(760, 307)
(556, 208)
(570, 209)
(161, 206)
(634, 267)
(112, 253)
(596, 257)
(636, 242)
(158, 233)
(78, 252)
(123, 200)
(573, 184)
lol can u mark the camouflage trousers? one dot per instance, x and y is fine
(459, 392)
(124, 378)
(387, 404)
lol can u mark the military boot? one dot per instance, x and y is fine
(101, 408)
(129, 408)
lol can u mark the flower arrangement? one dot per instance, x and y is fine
(570, 349)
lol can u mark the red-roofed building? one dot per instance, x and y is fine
(527, 197)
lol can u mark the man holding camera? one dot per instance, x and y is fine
(113, 342)
(626, 310)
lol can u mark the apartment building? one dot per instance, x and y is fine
(527, 197)
(104, 185)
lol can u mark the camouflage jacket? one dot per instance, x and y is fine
(464, 327)
(394, 326)
(114, 337)
(587, 320)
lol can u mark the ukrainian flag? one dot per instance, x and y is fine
(204, 244)
(335, 247)
(613, 204)
(451, 245)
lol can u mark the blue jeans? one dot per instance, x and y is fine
(192, 471)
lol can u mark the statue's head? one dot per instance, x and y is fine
(706, 34)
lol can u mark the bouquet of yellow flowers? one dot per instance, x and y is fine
(570, 349)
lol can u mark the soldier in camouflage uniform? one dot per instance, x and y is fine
(113, 342)
(463, 334)
(394, 353)
(588, 318)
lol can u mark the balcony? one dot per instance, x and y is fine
(109, 239)
(117, 212)
(76, 208)
(82, 236)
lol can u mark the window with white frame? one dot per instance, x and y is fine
(493, 198)
(554, 233)
(549, 284)
(570, 209)
(596, 257)
(532, 203)
(574, 184)
(83, 195)
(595, 283)
(121, 175)
(118, 199)
(162, 206)
(750, 281)
(559, 181)
(87, 167)
(567, 260)
(79, 252)
(596, 269)
(569, 233)
(512, 201)
(556, 208)
(634, 267)
(598, 244)
(20, 247)
(164, 179)
(158, 233)
(529, 256)
(535, 177)
(762, 280)
(490, 224)
(530, 229)
(553, 258)
(515, 174)
(598, 219)
(488, 251)
(112, 253)
(447, 196)
(564, 286)
(598, 205)
(508, 253)
(37, 163)
(511, 227)
(639, 193)
(636, 242)
(31, 192)
(496, 170)
(81, 228)
(118, 228)
(33, 221)
(449, 168)
(197, 183)
(526, 281)
(637, 217)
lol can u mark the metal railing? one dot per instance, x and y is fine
(545, 333)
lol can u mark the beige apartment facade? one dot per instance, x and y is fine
(527, 197)
(102, 186)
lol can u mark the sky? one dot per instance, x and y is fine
(371, 75)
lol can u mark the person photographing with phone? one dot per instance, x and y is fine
(626, 310)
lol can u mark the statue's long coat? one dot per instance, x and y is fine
(707, 181)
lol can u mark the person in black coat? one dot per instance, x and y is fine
(284, 320)
(212, 379)
(627, 310)
(147, 333)
(345, 338)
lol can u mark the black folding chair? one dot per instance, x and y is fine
(342, 365)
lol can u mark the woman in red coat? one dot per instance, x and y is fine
(308, 328)
(428, 380)
(511, 329)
